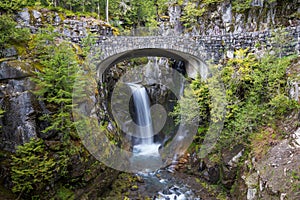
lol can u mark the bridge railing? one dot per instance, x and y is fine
(158, 32)
(215, 45)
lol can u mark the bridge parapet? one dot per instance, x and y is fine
(213, 47)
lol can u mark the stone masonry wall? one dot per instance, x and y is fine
(213, 47)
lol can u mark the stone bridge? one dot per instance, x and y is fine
(195, 51)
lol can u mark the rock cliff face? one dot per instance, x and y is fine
(71, 27)
(225, 17)
(20, 105)
(275, 174)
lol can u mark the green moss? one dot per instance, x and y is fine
(6, 59)
(37, 66)
(134, 187)
(21, 49)
(26, 67)
(62, 16)
(262, 141)
(65, 194)
(122, 186)
(295, 15)
(212, 1)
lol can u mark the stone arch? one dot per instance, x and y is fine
(116, 49)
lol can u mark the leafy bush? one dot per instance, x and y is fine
(256, 94)
(9, 34)
(190, 110)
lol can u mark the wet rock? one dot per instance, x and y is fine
(175, 13)
(9, 72)
(231, 158)
(94, 175)
(252, 183)
(20, 106)
(139, 179)
(295, 91)
(72, 27)
(9, 52)
(227, 13)
(36, 14)
(251, 193)
(211, 174)
(259, 3)
(18, 122)
(24, 17)
(296, 138)
(56, 19)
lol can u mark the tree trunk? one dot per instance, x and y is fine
(98, 9)
(107, 11)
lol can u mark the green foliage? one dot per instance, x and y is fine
(9, 34)
(54, 84)
(65, 194)
(212, 1)
(14, 5)
(194, 105)
(191, 13)
(280, 40)
(255, 95)
(162, 6)
(42, 43)
(32, 167)
(295, 177)
(87, 44)
(241, 5)
(134, 13)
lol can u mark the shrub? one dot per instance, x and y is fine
(9, 34)
(32, 167)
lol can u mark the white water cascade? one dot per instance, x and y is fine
(146, 151)
(143, 115)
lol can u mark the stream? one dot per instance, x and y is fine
(165, 186)
(162, 183)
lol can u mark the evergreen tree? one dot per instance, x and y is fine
(55, 85)
(32, 167)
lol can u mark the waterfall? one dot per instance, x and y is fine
(143, 115)
(145, 153)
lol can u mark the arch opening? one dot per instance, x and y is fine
(193, 64)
